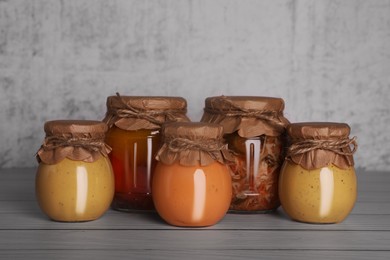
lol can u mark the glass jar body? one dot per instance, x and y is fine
(192, 196)
(74, 191)
(325, 195)
(132, 159)
(255, 173)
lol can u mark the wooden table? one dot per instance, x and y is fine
(25, 233)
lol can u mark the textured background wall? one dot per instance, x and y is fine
(329, 60)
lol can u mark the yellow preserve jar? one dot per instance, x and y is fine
(192, 185)
(318, 183)
(74, 180)
(254, 130)
(134, 136)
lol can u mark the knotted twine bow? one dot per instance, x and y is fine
(89, 144)
(269, 116)
(129, 111)
(341, 147)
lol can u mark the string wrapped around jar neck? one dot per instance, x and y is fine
(191, 144)
(316, 144)
(134, 113)
(249, 116)
(79, 140)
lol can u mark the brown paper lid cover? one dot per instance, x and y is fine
(79, 140)
(318, 144)
(250, 116)
(144, 112)
(192, 143)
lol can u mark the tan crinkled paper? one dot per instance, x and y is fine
(249, 116)
(317, 145)
(78, 140)
(192, 144)
(136, 112)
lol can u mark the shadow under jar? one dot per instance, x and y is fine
(192, 185)
(74, 180)
(254, 130)
(318, 182)
(134, 136)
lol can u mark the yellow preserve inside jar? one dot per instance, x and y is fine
(318, 183)
(325, 195)
(75, 191)
(74, 180)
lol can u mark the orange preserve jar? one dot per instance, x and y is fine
(134, 136)
(192, 185)
(254, 130)
(74, 180)
(318, 181)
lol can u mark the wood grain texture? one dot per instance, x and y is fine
(25, 232)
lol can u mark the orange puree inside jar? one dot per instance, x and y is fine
(75, 190)
(324, 195)
(192, 195)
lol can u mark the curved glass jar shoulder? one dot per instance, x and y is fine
(73, 191)
(255, 173)
(325, 195)
(191, 196)
(133, 162)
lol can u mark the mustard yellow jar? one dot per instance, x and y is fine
(134, 136)
(318, 183)
(192, 185)
(74, 179)
(254, 129)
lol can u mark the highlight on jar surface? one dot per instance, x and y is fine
(192, 185)
(74, 179)
(318, 183)
(254, 128)
(134, 136)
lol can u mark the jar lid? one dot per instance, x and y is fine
(250, 116)
(193, 143)
(79, 140)
(318, 144)
(144, 112)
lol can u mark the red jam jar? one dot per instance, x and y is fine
(74, 180)
(192, 185)
(254, 129)
(134, 136)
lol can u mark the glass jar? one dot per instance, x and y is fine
(74, 180)
(134, 136)
(318, 182)
(192, 185)
(254, 130)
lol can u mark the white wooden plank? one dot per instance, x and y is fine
(170, 254)
(193, 240)
(129, 221)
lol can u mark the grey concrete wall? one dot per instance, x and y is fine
(329, 60)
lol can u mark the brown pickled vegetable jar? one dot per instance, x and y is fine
(254, 129)
(192, 185)
(134, 136)
(318, 180)
(74, 180)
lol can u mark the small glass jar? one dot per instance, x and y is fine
(318, 183)
(74, 180)
(134, 136)
(192, 185)
(254, 130)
